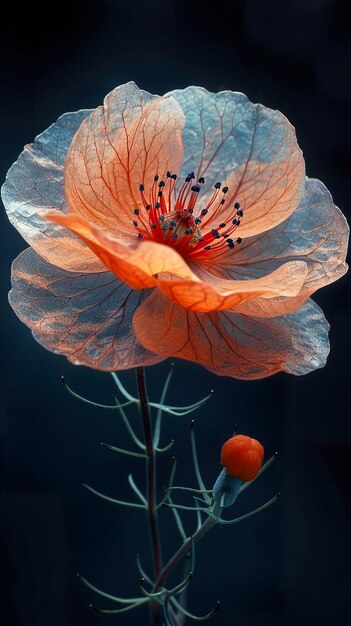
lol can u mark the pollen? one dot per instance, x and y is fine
(179, 218)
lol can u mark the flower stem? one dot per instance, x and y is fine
(182, 551)
(150, 484)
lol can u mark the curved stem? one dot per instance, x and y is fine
(151, 484)
(184, 548)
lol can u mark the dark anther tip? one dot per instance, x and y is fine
(192, 423)
(278, 494)
(63, 380)
(218, 605)
(211, 390)
(78, 575)
(276, 453)
(141, 581)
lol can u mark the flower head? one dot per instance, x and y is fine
(180, 225)
(242, 457)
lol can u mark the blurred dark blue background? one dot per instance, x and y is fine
(291, 564)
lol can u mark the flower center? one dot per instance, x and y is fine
(176, 220)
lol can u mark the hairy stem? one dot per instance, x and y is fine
(151, 484)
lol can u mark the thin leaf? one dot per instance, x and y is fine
(91, 402)
(157, 431)
(136, 490)
(263, 469)
(196, 618)
(123, 390)
(113, 500)
(122, 451)
(117, 611)
(166, 448)
(142, 571)
(250, 514)
(195, 461)
(108, 596)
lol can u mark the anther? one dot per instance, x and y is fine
(204, 212)
(197, 220)
(140, 236)
(239, 240)
(222, 201)
(237, 205)
(240, 212)
(222, 225)
(217, 186)
(141, 187)
(174, 176)
(153, 226)
(195, 188)
(135, 223)
(157, 205)
(201, 180)
(147, 207)
(169, 175)
(136, 211)
(161, 184)
(156, 178)
(207, 248)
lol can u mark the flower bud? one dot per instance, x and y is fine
(242, 457)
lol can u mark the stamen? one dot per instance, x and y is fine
(174, 218)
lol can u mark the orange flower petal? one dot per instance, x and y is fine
(316, 233)
(242, 457)
(34, 184)
(122, 144)
(234, 345)
(137, 266)
(86, 317)
(226, 295)
(250, 148)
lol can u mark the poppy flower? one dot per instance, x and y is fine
(181, 225)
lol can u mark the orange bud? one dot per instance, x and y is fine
(242, 457)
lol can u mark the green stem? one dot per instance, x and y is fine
(151, 485)
(184, 548)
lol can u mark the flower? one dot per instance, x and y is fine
(181, 225)
(242, 457)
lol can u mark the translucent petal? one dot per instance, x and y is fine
(86, 317)
(251, 148)
(220, 294)
(122, 144)
(149, 263)
(137, 265)
(316, 233)
(235, 345)
(34, 184)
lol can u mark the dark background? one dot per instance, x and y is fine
(291, 564)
